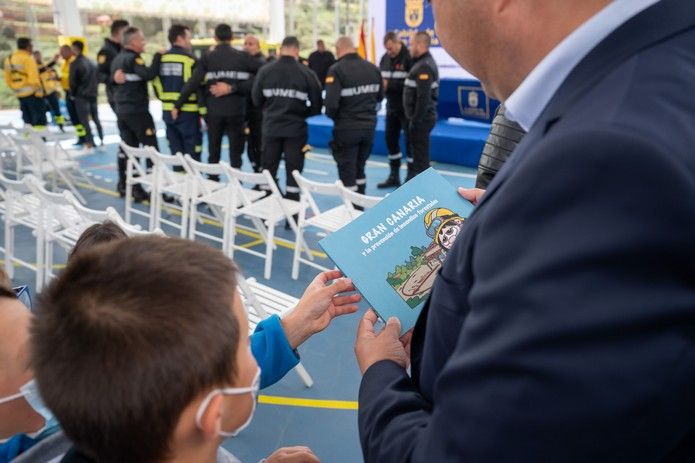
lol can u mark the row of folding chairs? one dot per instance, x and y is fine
(53, 218)
(235, 195)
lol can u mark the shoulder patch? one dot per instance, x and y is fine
(101, 59)
(423, 76)
(139, 61)
(330, 79)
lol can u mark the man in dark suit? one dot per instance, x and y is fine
(561, 327)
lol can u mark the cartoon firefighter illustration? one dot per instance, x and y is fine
(443, 226)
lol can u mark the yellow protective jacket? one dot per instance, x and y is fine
(65, 73)
(49, 77)
(22, 74)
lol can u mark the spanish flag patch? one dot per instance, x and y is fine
(330, 79)
(424, 76)
(139, 61)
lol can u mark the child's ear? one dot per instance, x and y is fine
(211, 421)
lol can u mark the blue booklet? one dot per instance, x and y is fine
(394, 250)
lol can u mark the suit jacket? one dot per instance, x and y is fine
(561, 327)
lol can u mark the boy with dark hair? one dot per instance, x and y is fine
(130, 371)
(99, 233)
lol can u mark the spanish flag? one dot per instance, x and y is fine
(372, 44)
(362, 48)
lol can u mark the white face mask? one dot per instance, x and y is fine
(30, 393)
(253, 390)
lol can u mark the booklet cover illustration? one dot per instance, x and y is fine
(393, 251)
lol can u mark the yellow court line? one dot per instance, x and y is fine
(309, 403)
(213, 223)
(252, 244)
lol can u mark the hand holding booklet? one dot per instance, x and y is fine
(394, 250)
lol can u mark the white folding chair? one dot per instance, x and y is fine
(67, 223)
(20, 207)
(129, 229)
(217, 196)
(327, 220)
(136, 174)
(265, 214)
(352, 198)
(174, 184)
(262, 301)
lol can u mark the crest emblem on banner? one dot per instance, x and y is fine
(473, 100)
(414, 12)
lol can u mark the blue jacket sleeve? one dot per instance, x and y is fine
(272, 351)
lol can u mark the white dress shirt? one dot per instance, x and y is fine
(531, 97)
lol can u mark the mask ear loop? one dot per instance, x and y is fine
(204, 406)
(12, 397)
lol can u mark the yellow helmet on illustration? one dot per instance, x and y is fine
(437, 218)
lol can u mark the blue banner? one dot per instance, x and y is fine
(407, 17)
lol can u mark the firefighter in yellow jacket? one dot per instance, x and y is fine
(22, 76)
(50, 82)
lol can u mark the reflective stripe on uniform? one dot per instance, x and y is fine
(132, 78)
(395, 156)
(352, 188)
(361, 181)
(234, 75)
(410, 160)
(386, 74)
(435, 85)
(285, 93)
(292, 189)
(399, 75)
(410, 83)
(360, 90)
(187, 108)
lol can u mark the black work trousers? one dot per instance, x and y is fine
(233, 127)
(86, 108)
(135, 130)
(254, 141)
(395, 123)
(419, 138)
(293, 148)
(351, 149)
(33, 110)
(72, 113)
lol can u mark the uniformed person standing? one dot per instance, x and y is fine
(254, 114)
(22, 76)
(131, 98)
(354, 90)
(395, 66)
(105, 56)
(176, 68)
(68, 57)
(420, 103)
(50, 84)
(227, 76)
(83, 82)
(288, 92)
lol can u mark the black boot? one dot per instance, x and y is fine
(411, 172)
(139, 194)
(394, 179)
(120, 188)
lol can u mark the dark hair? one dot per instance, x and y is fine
(23, 43)
(223, 32)
(290, 41)
(320, 42)
(66, 47)
(176, 31)
(129, 33)
(99, 233)
(424, 37)
(390, 37)
(118, 25)
(79, 45)
(127, 336)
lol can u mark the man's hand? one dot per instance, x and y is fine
(119, 76)
(292, 455)
(371, 348)
(174, 113)
(221, 89)
(320, 304)
(472, 195)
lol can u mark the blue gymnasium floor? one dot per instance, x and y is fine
(327, 421)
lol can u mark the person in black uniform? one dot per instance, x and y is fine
(176, 68)
(320, 60)
(354, 90)
(131, 97)
(288, 92)
(254, 114)
(105, 56)
(420, 103)
(83, 86)
(227, 75)
(395, 66)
